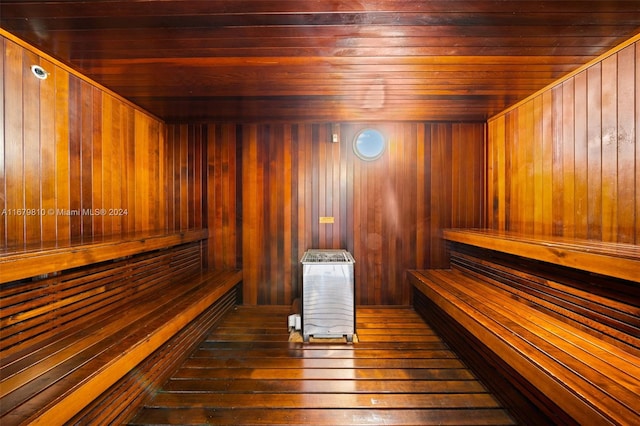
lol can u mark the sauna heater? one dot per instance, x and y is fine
(328, 300)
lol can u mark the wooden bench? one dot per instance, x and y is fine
(558, 319)
(86, 341)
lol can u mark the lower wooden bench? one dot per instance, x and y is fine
(561, 356)
(142, 381)
(96, 368)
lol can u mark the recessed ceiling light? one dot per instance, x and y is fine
(39, 72)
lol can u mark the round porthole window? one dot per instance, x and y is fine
(369, 144)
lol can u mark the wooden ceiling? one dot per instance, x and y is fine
(323, 60)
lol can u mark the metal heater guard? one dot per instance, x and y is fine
(328, 299)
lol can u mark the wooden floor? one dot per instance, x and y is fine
(246, 372)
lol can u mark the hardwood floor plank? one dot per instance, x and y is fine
(298, 363)
(359, 349)
(322, 400)
(321, 417)
(400, 330)
(325, 386)
(323, 373)
(327, 353)
(399, 372)
(397, 338)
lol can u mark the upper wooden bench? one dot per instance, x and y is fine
(81, 324)
(609, 259)
(562, 317)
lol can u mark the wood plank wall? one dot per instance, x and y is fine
(206, 170)
(71, 146)
(567, 161)
(389, 213)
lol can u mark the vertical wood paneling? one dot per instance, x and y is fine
(589, 174)
(196, 158)
(161, 185)
(130, 175)
(48, 151)
(107, 154)
(422, 209)
(609, 149)
(86, 159)
(497, 168)
(62, 155)
(567, 148)
(96, 162)
(266, 185)
(80, 163)
(182, 176)
(3, 194)
(441, 197)
(251, 212)
(75, 163)
(581, 160)
(556, 160)
(626, 131)
(547, 163)
(169, 173)
(222, 202)
(389, 213)
(31, 135)
(538, 165)
(525, 169)
(289, 254)
(175, 181)
(14, 156)
(637, 145)
(141, 161)
(594, 152)
(508, 194)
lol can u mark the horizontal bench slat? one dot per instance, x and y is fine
(124, 397)
(611, 259)
(97, 360)
(549, 287)
(18, 372)
(93, 387)
(78, 295)
(77, 319)
(19, 264)
(466, 316)
(600, 305)
(616, 365)
(533, 343)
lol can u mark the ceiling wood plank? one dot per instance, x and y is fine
(265, 60)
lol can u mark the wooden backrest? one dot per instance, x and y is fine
(605, 306)
(39, 308)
